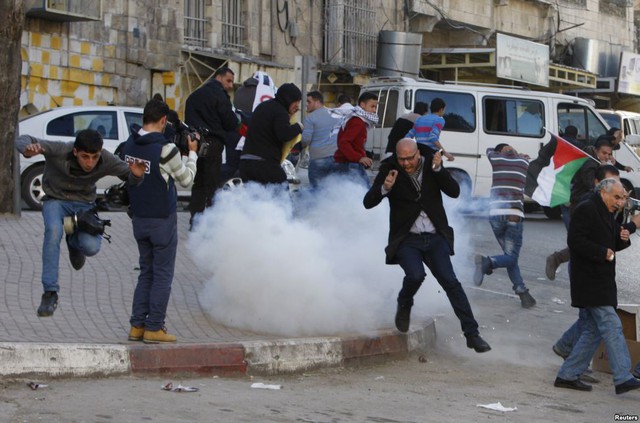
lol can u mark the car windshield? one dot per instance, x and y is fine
(612, 119)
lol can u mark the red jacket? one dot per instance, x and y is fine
(351, 140)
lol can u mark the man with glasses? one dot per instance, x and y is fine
(594, 236)
(413, 180)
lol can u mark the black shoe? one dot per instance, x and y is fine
(573, 384)
(403, 318)
(477, 343)
(48, 304)
(483, 267)
(76, 257)
(627, 386)
(636, 374)
(527, 300)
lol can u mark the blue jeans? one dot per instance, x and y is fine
(320, 169)
(509, 236)
(157, 244)
(570, 337)
(600, 324)
(355, 172)
(53, 214)
(433, 250)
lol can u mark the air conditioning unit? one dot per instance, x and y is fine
(65, 10)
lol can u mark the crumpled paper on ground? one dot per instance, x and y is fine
(497, 407)
(169, 387)
(260, 385)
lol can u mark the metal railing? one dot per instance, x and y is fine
(232, 25)
(195, 24)
(351, 33)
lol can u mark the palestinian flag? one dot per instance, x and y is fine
(549, 176)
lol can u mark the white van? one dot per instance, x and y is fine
(479, 116)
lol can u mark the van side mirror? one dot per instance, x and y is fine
(632, 139)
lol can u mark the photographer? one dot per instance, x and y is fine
(69, 182)
(153, 209)
(209, 107)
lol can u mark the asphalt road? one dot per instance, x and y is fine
(446, 383)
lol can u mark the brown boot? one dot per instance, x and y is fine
(136, 334)
(157, 336)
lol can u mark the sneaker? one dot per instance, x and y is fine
(552, 266)
(483, 267)
(48, 304)
(403, 318)
(76, 257)
(527, 300)
(157, 336)
(136, 334)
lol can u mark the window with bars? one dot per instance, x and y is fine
(232, 25)
(351, 33)
(195, 24)
(616, 8)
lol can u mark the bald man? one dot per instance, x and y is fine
(413, 180)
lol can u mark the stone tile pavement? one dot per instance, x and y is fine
(88, 332)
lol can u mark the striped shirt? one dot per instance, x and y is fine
(509, 178)
(183, 170)
(427, 130)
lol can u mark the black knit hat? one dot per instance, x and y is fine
(288, 93)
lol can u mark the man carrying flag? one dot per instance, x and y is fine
(582, 181)
(549, 176)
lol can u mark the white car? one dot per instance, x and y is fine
(62, 124)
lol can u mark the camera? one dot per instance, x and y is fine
(86, 221)
(181, 133)
(632, 205)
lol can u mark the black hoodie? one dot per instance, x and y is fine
(270, 129)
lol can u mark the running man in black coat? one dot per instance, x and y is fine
(413, 180)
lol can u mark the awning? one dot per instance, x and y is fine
(479, 65)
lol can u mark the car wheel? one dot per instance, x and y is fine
(31, 190)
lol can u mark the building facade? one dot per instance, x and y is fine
(123, 51)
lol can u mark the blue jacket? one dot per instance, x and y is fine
(154, 197)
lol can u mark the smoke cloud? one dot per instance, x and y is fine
(301, 265)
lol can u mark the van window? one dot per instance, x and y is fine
(511, 116)
(612, 119)
(387, 108)
(583, 118)
(632, 126)
(460, 111)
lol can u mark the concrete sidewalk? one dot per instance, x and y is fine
(88, 333)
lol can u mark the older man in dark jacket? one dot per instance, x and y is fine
(594, 236)
(413, 180)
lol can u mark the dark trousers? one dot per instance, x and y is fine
(157, 244)
(433, 250)
(207, 179)
(262, 171)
